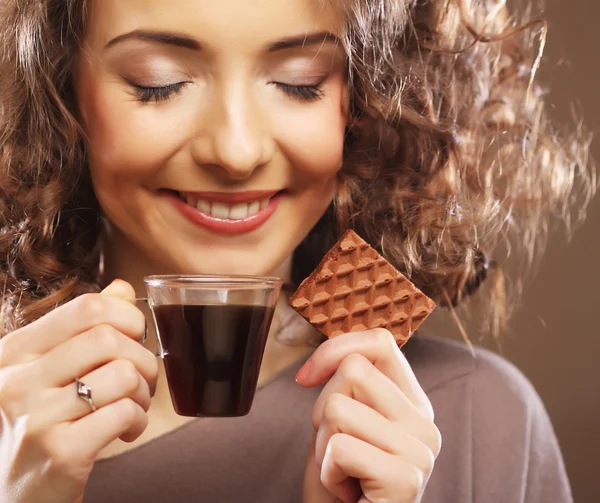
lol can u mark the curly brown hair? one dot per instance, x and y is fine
(449, 153)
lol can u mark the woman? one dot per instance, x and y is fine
(240, 138)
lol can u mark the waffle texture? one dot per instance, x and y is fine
(354, 288)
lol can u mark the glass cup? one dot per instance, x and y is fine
(212, 332)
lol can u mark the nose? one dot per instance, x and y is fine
(234, 138)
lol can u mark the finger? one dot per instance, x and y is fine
(114, 381)
(335, 475)
(92, 349)
(123, 419)
(382, 476)
(357, 378)
(121, 290)
(69, 320)
(380, 348)
(110, 383)
(318, 493)
(345, 415)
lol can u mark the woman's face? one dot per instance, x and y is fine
(214, 128)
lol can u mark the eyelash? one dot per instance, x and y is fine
(304, 93)
(163, 93)
(158, 94)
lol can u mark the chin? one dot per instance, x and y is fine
(235, 264)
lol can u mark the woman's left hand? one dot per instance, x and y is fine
(375, 439)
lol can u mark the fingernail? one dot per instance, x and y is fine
(304, 372)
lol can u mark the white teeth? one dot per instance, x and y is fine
(203, 206)
(238, 211)
(220, 210)
(253, 208)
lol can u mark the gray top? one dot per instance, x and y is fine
(498, 443)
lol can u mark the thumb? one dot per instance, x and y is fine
(120, 289)
(314, 491)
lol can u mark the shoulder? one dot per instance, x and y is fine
(492, 382)
(499, 444)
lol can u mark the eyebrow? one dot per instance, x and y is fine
(180, 40)
(161, 37)
(303, 41)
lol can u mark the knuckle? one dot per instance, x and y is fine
(126, 411)
(334, 408)
(428, 462)
(107, 338)
(435, 441)
(14, 351)
(126, 375)
(383, 337)
(354, 367)
(423, 458)
(336, 446)
(92, 307)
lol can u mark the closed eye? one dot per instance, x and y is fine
(160, 94)
(157, 94)
(304, 93)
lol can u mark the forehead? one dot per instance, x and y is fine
(241, 23)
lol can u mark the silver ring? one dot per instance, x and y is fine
(85, 392)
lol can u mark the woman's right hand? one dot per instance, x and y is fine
(49, 436)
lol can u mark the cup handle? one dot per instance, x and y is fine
(145, 336)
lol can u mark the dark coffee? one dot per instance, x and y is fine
(212, 356)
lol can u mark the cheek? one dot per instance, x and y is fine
(313, 140)
(123, 137)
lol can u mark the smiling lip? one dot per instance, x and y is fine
(226, 225)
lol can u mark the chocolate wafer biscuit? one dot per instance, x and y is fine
(354, 288)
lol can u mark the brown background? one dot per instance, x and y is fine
(555, 337)
(555, 334)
